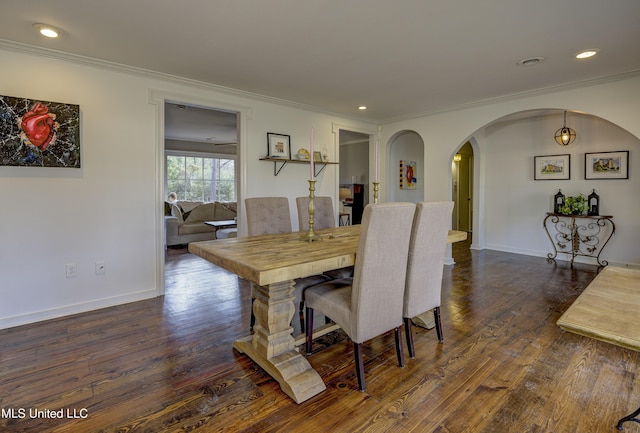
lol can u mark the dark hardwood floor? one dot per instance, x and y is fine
(167, 365)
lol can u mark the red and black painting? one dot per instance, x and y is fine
(39, 133)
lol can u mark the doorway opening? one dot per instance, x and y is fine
(462, 189)
(200, 156)
(354, 174)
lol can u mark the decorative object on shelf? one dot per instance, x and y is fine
(408, 175)
(303, 154)
(579, 235)
(565, 136)
(311, 235)
(606, 165)
(278, 145)
(317, 156)
(37, 133)
(376, 186)
(552, 167)
(594, 204)
(558, 201)
(574, 205)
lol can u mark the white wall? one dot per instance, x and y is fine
(111, 208)
(615, 101)
(518, 203)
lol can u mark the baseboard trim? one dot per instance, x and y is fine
(55, 313)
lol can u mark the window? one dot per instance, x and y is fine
(197, 178)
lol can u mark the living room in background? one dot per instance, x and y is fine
(200, 178)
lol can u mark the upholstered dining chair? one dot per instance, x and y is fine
(323, 218)
(268, 216)
(323, 215)
(425, 264)
(370, 303)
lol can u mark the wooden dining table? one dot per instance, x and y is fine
(271, 263)
(609, 310)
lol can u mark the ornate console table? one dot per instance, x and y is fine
(579, 235)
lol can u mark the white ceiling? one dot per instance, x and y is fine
(400, 58)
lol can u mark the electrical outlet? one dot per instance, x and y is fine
(100, 268)
(72, 270)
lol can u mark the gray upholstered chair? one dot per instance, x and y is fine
(323, 214)
(425, 264)
(268, 216)
(323, 218)
(370, 303)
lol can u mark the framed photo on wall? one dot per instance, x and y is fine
(606, 165)
(552, 167)
(278, 145)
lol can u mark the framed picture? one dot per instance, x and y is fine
(36, 133)
(552, 167)
(317, 156)
(606, 165)
(408, 175)
(279, 146)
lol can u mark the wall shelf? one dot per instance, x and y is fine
(277, 168)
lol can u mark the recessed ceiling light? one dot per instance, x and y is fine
(586, 54)
(530, 61)
(47, 30)
(362, 107)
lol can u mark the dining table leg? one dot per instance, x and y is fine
(272, 345)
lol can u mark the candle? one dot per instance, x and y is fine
(311, 165)
(376, 161)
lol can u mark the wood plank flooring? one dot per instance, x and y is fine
(167, 365)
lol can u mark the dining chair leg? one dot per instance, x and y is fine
(252, 321)
(399, 352)
(409, 332)
(301, 316)
(309, 314)
(436, 318)
(357, 352)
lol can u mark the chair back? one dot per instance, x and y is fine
(267, 215)
(426, 257)
(380, 269)
(323, 214)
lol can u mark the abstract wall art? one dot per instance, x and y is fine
(36, 133)
(408, 175)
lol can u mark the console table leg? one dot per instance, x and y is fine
(631, 417)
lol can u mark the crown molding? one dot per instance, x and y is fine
(119, 67)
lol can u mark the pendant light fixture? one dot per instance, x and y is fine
(565, 136)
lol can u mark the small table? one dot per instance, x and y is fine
(607, 310)
(271, 263)
(223, 226)
(222, 223)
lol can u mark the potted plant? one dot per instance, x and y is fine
(574, 205)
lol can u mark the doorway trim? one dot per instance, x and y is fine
(158, 98)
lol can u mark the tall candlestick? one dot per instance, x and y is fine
(376, 159)
(311, 162)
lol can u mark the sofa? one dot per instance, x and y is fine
(184, 220)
